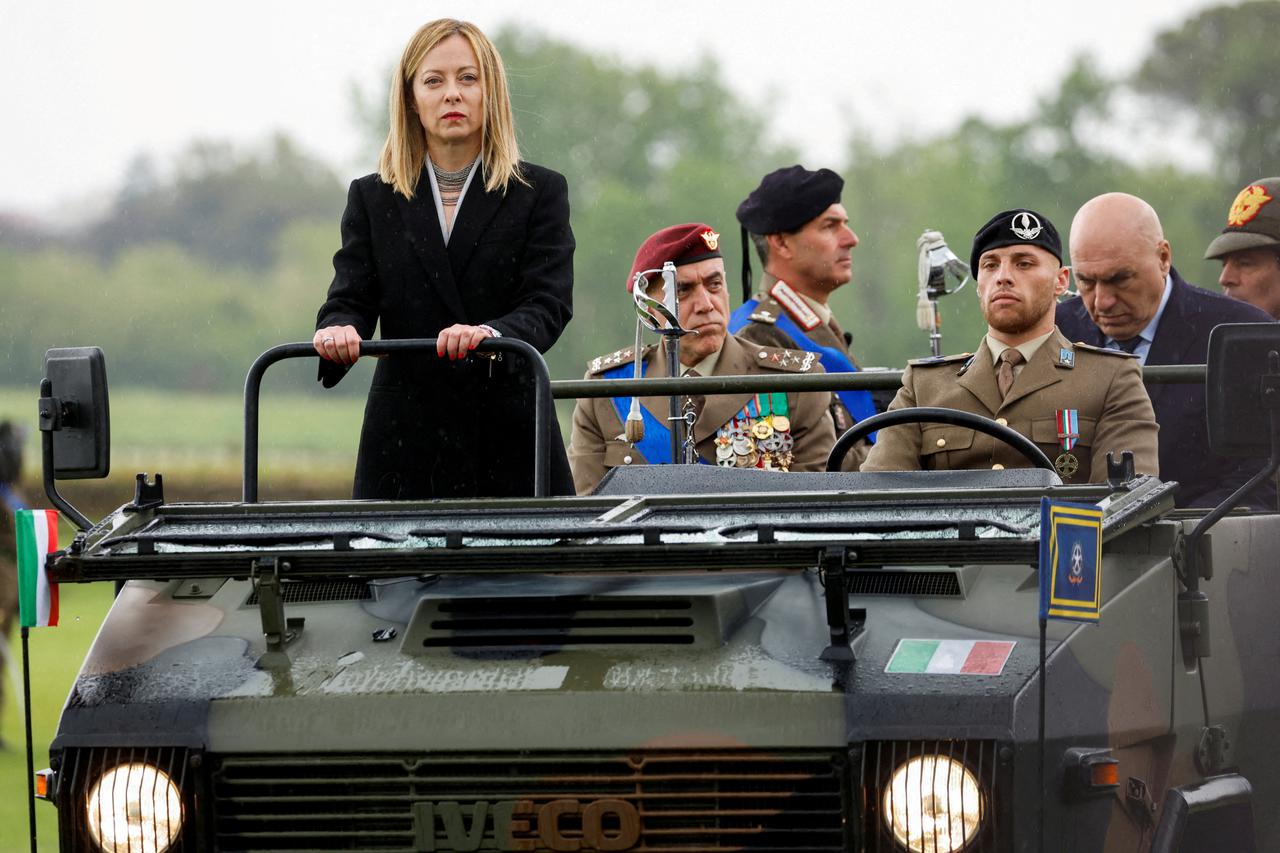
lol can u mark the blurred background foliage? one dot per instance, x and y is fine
(195, 266)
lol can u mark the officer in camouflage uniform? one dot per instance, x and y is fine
(777, 431)
(1077, 402)
(801, 233)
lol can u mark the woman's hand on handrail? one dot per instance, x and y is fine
(338, 343)
(458, 340)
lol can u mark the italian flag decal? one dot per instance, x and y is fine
(37, 531)
(951, 657)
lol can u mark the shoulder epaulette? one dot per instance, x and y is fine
(601, 363)
(940, 359)
(790, 360)
(763, 316)
(1103, 350)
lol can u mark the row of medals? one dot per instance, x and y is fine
(763, 443)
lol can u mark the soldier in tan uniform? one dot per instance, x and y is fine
(1076, 402)
(802, 236)
(779, 431)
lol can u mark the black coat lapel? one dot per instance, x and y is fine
(477, 210)
(422, 230)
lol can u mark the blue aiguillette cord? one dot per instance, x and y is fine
(655, 447)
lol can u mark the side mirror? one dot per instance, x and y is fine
(1242, 387)
(74, 411)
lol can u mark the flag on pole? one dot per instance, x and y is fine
(1070, 561)
(37, 531)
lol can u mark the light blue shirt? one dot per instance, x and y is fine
(1148, 334)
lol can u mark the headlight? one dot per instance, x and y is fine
(933, 805)
(134, 808)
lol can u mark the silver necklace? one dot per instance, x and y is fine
(452, 179)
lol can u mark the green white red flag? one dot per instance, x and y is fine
(37, 531)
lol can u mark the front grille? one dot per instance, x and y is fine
(896, 582)
(80, 770)
(316, 591)
(927, 820)
(689, 802)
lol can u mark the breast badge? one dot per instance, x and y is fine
(1068, 434)
(759, 436)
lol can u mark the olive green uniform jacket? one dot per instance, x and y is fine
(762, 330)
(1105, 387)
(597, 442)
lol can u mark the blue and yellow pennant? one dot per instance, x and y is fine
(1070, 561)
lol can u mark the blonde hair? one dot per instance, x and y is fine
(405, 151)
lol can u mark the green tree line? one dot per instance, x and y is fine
(188, 275)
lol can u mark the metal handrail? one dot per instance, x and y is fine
(867, 380)
(253, 387)
(569, 389)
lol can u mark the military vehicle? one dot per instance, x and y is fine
(689, 659)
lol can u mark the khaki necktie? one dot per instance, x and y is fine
(1004, 376)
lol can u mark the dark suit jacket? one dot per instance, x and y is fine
(434, 428)
(1182, 337)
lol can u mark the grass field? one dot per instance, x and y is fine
(307, 446)
(55, 659)
(305, 438)
(172, 430)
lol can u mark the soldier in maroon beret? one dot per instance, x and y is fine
(785, 432)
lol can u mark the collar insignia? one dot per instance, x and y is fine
(795, 305)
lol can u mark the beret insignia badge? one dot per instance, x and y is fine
(1247, 205)
(712, 239)
(1026, 225)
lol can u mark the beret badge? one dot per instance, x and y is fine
(1248, 204)
(1026, 225)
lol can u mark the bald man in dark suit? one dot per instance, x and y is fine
(1132, 299)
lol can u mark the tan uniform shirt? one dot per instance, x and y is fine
(826, 332)
(597, 443)
(1103, 386)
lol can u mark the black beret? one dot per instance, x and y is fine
(788, 198)
(1014, 228)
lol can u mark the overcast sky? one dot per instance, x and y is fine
(85, 86)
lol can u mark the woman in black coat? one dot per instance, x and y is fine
(454, 238)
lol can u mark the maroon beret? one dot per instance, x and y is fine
(680, 244)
